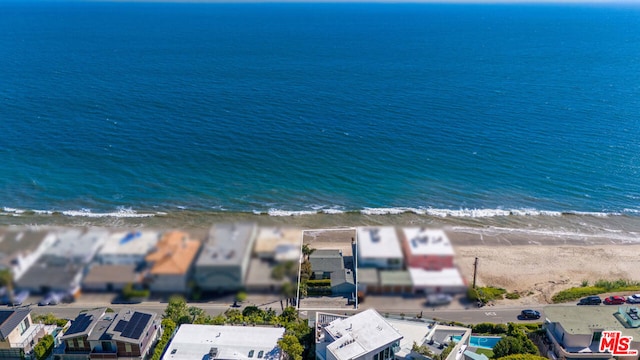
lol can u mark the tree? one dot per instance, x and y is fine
(307, 251)
(305, 270)
(508, 345)
(251, 311)
(177, 310)
(290, 314)
(291, 346)
(196, 314)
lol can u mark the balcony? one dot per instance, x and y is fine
(32, 335)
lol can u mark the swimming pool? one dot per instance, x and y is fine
(485, 342)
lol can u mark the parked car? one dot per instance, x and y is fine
(19, 298)
(438, 299)
(529, 314)
(52, 298)
(614, 300)
(590, 300)
(633, 299)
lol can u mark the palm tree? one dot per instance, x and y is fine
(307, 251)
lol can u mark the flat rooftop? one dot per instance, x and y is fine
(77, 244)
(444, 277)
(129, 243)
(229, 342)
(587, 319)
(21, 241)
(360, 334)
(422, 241)
(269, 239)
(378, 243)
(227, 244)
(412, 331)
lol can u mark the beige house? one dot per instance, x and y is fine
(18, 333)
(171, 262)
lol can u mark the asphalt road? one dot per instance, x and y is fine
(466, 316)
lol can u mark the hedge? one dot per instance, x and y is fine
(43, 348)
(168, 327)
(319, 283)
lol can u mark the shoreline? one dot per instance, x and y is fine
(534, 264)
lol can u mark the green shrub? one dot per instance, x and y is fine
(44, 347)
(599, 287)
(168, 327)
(491, 293)
(489, 328)
(319, 283)
(576, 293)
(50, 319)
(129, 292)
(512, 296)
(319, 291)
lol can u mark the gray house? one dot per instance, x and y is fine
(329, 264)
(223, 263)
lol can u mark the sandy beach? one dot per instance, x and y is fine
(539, 267)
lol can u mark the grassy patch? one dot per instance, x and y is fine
(488, 353)
(512, 296)
(599, 287)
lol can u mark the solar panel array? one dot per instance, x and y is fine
(136, 325)
(120, 325)
(80, 324)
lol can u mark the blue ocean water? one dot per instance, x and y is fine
(284, 108)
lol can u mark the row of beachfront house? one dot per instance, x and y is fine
(230, 257)
(71, 260)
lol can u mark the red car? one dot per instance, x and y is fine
(614, 300)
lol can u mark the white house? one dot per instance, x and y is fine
(224, 342)
(379, 247)
(364, 336)
(127, 247)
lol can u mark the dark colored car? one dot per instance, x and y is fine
(590, 300)
(529, 314)
(614, 300)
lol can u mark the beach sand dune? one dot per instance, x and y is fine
(538, 271)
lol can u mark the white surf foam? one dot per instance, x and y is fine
(277, 212)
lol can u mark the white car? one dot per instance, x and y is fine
(438, 299)
(633, 299)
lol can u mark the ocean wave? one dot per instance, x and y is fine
(124, 212)
(276, 212)
(119, 213)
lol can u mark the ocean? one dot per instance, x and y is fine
(516, 118)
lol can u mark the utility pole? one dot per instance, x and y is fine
(475, 270)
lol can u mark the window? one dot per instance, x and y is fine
(106, 346)
(23, 326)
(260, 353)
(251, 353)
(127, 347)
